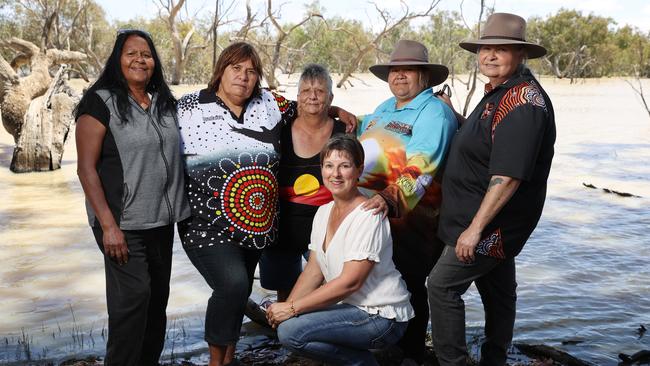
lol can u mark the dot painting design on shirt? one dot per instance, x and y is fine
(245, 195)
(189, 102)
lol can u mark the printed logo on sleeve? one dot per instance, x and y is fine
(371, 124)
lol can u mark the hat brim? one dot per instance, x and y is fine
(532, 50)
(438, 73)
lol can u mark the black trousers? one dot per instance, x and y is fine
(136, 297)
(414, 257)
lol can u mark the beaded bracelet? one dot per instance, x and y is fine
(293, 310)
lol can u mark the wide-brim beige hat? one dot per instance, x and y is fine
(504, 28)
(411, 53)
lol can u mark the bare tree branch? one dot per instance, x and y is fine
(58, 57)
(389, 24)
(20, 45)
(7, 73)
(72, 28)
(281, 37)
(639, 91)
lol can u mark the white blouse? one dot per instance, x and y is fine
(360, 236)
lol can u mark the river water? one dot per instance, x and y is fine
(584, 276)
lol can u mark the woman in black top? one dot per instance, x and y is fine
(301, 185)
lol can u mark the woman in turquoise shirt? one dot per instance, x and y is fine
(406, 141)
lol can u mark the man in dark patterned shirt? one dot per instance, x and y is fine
(493, 192)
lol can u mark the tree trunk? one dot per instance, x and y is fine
(270, 77)
(44, 130)
(352, 66)
(39, 123)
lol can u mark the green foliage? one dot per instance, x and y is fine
(442, 36)
(332, 43)
(76, 27)
(633, 56)
(579, 45)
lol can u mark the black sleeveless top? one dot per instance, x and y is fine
(301, 192)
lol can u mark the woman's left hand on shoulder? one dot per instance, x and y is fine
(278, 312)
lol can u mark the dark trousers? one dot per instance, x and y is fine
(495, 281)
(414, 264)
(136, 297)
(228, 269)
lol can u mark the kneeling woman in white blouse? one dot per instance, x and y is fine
(350, 298)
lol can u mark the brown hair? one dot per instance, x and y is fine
(233, 54)
(345, 143)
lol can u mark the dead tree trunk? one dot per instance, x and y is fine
(473, 74)
(45, 130)
(20, 105)
(282, 36)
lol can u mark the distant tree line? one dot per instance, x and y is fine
(580, 45)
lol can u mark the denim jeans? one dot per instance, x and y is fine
(341, 334)
(280, 269)
(495, 281)
(228, 269)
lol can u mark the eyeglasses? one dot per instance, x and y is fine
(133, 31)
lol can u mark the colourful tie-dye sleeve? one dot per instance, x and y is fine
(431, 136)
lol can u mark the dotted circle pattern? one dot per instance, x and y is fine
(248, 199)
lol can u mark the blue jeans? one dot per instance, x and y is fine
(341, 334)
(228, 269)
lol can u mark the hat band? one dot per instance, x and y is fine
(407, 60)
(504, 37)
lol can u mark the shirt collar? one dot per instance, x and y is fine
(207, 96)
(522, 71)
(416, 103)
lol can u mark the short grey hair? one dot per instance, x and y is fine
(316, 72)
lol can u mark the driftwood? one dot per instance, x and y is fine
(639, 358)
(38, 124)
(45, 130)
(607, 190)
(543, 352)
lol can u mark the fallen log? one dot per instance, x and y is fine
(639, 358)
(543, 352)
(607, 190)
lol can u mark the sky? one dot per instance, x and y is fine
(632, 12)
